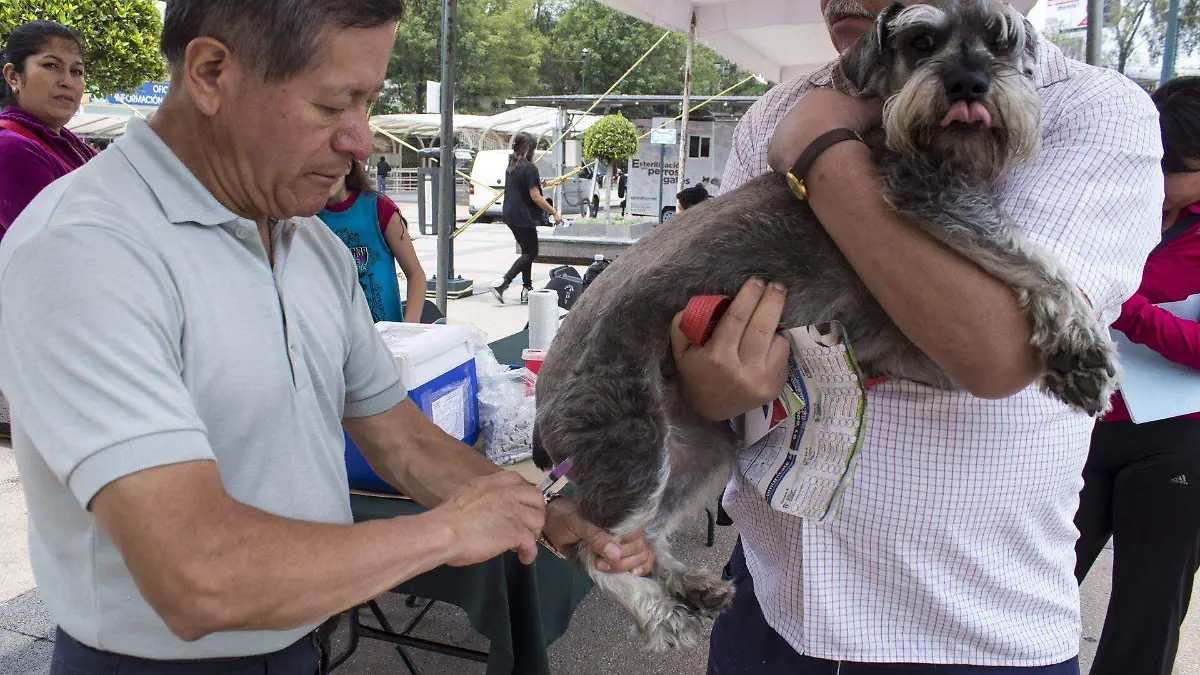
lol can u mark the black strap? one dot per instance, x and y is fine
(819, 145)
(1184, 223)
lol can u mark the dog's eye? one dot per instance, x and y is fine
(923, 43)
(1001, 44)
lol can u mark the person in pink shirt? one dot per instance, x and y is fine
(1142, 481)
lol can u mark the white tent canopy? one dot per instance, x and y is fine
(775, 39)
(482, 131)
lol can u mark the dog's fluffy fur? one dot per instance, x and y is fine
(608, 396)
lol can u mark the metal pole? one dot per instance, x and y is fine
(687, 106)
(446, 199)
(662, 170)
(1095, 31)
(1171, 44)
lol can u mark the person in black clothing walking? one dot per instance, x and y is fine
(1141, 484)
(524, 206)
(382, 169)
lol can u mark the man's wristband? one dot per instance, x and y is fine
(799, 170)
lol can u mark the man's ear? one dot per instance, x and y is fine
(207, 68)
(860, 64)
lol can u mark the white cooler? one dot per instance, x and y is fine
(437, 367)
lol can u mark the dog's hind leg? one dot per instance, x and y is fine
(703, 455)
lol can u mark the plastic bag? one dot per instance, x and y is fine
(506, 417)
(506, 412)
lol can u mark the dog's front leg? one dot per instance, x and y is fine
(1079, 355)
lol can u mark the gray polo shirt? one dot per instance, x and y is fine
(142, 325)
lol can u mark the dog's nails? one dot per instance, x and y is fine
(1062, 363)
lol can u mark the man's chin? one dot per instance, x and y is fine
(844, 32)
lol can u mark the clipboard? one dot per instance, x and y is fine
(1155, 388)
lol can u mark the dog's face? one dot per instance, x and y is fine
(956, 77)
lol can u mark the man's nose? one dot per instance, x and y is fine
(967, 84)
(355, 137)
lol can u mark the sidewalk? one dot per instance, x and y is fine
(598, 642)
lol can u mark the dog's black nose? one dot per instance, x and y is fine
(967, 84)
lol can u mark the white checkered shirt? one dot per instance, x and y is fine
(955, 543)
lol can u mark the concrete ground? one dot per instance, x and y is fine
(598, 641)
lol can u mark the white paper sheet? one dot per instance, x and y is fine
(1154, 387)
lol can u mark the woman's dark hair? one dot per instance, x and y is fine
(25, 41)
(1178, 102)
(524, 145)
(357, 179)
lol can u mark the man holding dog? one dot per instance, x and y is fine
(953, 550)
(182, 344)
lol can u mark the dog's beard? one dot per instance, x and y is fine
(912, 121)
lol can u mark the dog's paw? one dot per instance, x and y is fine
(1081, 367)
(674, 626)
(703, 592)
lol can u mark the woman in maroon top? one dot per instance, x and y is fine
(41, 90)
(1142, 482)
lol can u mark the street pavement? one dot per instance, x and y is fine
(598, 641)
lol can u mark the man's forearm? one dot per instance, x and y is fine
(967, 321)
(425, 463)
(264, 572)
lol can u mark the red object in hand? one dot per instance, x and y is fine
(701, 315)
(700, 318)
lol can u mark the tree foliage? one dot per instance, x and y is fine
(612, 138)
(1128, 20)
(510, 48)
(119, 36)
(1189, 27)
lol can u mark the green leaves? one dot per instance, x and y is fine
(119, 36)
(510, 48)
(611, 139)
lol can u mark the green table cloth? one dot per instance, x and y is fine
(521, 609)
(508, 349)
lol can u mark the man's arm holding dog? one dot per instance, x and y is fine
(1093, 210)
(963, 318)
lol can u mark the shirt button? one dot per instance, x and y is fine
(242, 233)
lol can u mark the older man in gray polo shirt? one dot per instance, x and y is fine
(181, 347)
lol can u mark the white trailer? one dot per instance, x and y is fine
(654, 171)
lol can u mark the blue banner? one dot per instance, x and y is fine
(150, 94)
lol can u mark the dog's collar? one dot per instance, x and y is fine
(799, 170)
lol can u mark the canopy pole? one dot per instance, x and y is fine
(1171, 44)
(687, 107)
(1095, 30)
(446, 197)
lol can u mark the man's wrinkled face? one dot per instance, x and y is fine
(848, 19)
(293, 140)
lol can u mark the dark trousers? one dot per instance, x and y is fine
(72, 657)
(744, 644)
(1142, 488)
(527, 239)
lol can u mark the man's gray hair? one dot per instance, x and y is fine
(277, 37)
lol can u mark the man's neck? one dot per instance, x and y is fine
(189, 138)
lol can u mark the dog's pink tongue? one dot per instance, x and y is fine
(967, 113)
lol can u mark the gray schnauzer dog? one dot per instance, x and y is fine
(960, 110)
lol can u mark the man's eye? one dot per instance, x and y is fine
(923, 43)
(332, 112)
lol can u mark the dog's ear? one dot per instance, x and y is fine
(861, 63)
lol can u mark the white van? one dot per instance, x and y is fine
(489, 170)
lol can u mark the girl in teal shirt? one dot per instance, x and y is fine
(372, 228)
